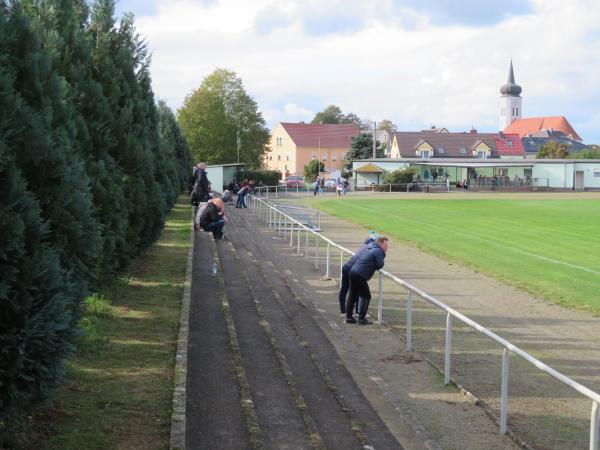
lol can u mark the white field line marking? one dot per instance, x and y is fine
(499, 244)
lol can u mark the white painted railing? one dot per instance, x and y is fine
(283, 223)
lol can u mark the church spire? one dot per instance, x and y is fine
(510, 88)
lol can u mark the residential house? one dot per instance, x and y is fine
(294, 145)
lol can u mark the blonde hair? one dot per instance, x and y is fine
(218, 202)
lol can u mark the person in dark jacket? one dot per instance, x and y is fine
(362, 271)
(346, 270)
(201, 187)
(213, 218)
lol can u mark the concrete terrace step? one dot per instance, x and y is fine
(213, 413)
(262, 374)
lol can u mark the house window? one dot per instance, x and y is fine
(324, 156)
(596, 173)
(278, 157)
(517, 109)
(343, 156)
(481, 154)
(425, 153)
(440, 150)
(502, 112)
(334, 156)
(504, 172)
(270, 158)
(287, 157)
(314, 156)
(509, 142)
(462, 150)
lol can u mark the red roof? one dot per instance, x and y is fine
(324, 135)
(524, 127)
(509, 145)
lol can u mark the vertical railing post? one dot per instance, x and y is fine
(306, 246)
(285, 221)
(281, 219)
(409, 311)
(299, 230)
(327, 277)
(380, 300)
(270, 217)
(504, 392)
(594, 427)
(447, 360)
(317, 252)
(291, 234)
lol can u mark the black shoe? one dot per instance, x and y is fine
(350, 320)
(364, 322)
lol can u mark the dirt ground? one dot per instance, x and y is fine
(543, 412)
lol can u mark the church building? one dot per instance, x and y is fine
(546, 128)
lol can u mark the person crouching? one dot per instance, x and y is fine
(213, 218)
(362, 271)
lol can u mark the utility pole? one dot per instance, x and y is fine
(238, 143)
(374, 139)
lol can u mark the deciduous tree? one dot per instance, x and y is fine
(361, 147)
(218, 117)
(552, 150)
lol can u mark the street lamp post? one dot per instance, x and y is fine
(238, 143)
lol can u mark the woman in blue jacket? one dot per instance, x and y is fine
(362, 271)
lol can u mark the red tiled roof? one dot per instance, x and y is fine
(509, 144)
(524, 127)
(324, 135)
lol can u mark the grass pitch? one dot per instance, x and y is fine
(548, 247)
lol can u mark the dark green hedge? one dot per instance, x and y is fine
(89, 167)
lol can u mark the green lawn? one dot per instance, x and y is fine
(119, 387)
(548, 247)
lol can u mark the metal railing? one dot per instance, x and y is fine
(284, 224)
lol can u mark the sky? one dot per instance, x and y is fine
(417, 63)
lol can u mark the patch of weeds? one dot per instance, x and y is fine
(92, 338)
(166, 284)
(98, 305)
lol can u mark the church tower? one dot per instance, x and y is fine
(510, 102)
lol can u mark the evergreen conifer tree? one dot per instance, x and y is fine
(65, 23)
(36, 295)
(47, 151)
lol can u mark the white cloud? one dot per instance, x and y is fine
(387, 63)
(298, 113)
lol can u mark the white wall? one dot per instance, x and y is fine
(215, 176)
(588, 169)
(560, 176)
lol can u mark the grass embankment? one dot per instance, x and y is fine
(548, 247)
(118, 390)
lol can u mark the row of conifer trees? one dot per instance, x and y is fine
(89, 167)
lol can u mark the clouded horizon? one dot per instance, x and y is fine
(416, 62)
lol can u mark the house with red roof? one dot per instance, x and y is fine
(294, 145)
(509, 145)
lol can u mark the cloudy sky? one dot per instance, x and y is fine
(415, 62)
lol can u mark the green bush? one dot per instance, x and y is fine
(312, 170)
(267, 177)
(400, 176)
